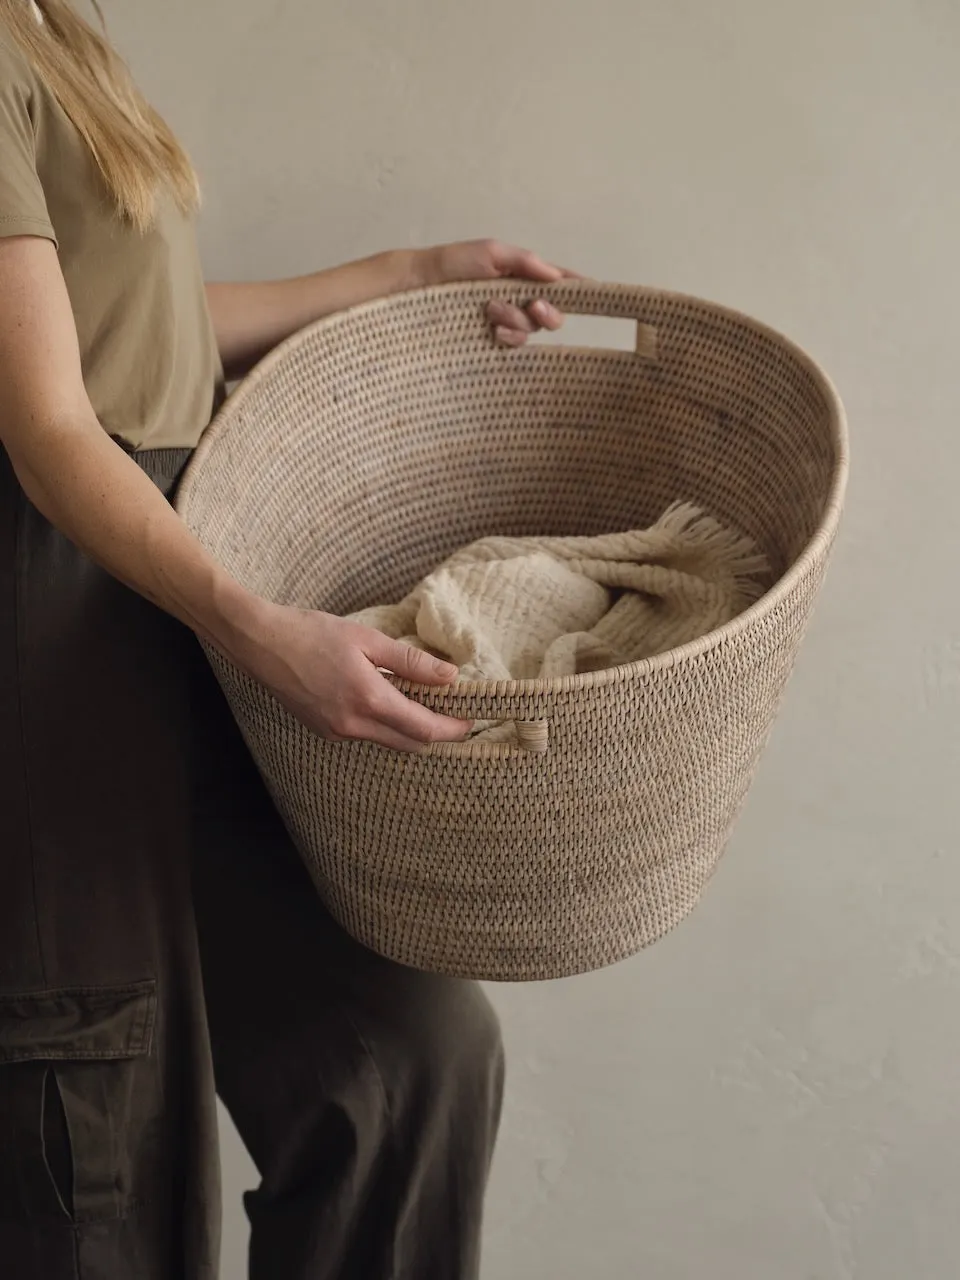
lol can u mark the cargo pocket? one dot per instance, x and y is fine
(79, 1102)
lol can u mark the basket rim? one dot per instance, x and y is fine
(816, 549)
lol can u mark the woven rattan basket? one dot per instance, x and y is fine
(366, 450)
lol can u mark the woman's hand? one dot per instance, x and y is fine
(251, 319)
(327, 673)
(490, 260)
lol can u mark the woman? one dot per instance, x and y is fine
(158, 936)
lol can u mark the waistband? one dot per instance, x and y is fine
(165, 467)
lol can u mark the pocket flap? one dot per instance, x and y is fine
(75, 1023)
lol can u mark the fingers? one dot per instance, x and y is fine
(324, 670)
(379, 712)
(395, 715)
(392, 741)
(371, 709)
(546, 315)
(524, 265)
(403, 660)
(384, 737)
(512, 325)
(539, 315)
(507, 337)
(390, 718)
(505, 315)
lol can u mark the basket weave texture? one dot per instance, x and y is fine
(370, 447)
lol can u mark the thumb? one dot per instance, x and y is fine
(524, 265)
(408, 663)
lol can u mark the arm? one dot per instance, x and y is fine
(322, 669)
(251, 319)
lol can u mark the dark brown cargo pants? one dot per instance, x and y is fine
(160, 942)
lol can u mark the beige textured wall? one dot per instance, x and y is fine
(773, 1092)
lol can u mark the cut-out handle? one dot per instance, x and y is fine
(532, 738)
(599, 316)
(601, 333)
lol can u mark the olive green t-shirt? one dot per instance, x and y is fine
(149, 354)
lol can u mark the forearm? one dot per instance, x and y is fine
(84, 484)
(251, 319)
(322, 669)
(98, 497)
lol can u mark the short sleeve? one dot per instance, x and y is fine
(23, 207)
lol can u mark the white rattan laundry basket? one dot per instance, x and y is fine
(366, 450)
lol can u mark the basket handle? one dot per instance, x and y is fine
(500, 703)
(533, 738)
(587, 298)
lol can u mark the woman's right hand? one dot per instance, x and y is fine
(327, 672)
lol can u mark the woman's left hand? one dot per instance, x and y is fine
(491, 260)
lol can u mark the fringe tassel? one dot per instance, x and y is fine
(729, 553)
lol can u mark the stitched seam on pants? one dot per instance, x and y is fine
(19, 647)
(69, 1055)
(107, 992)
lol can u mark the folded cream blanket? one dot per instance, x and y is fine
(527, 608)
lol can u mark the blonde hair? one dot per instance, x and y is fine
(134, 148)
